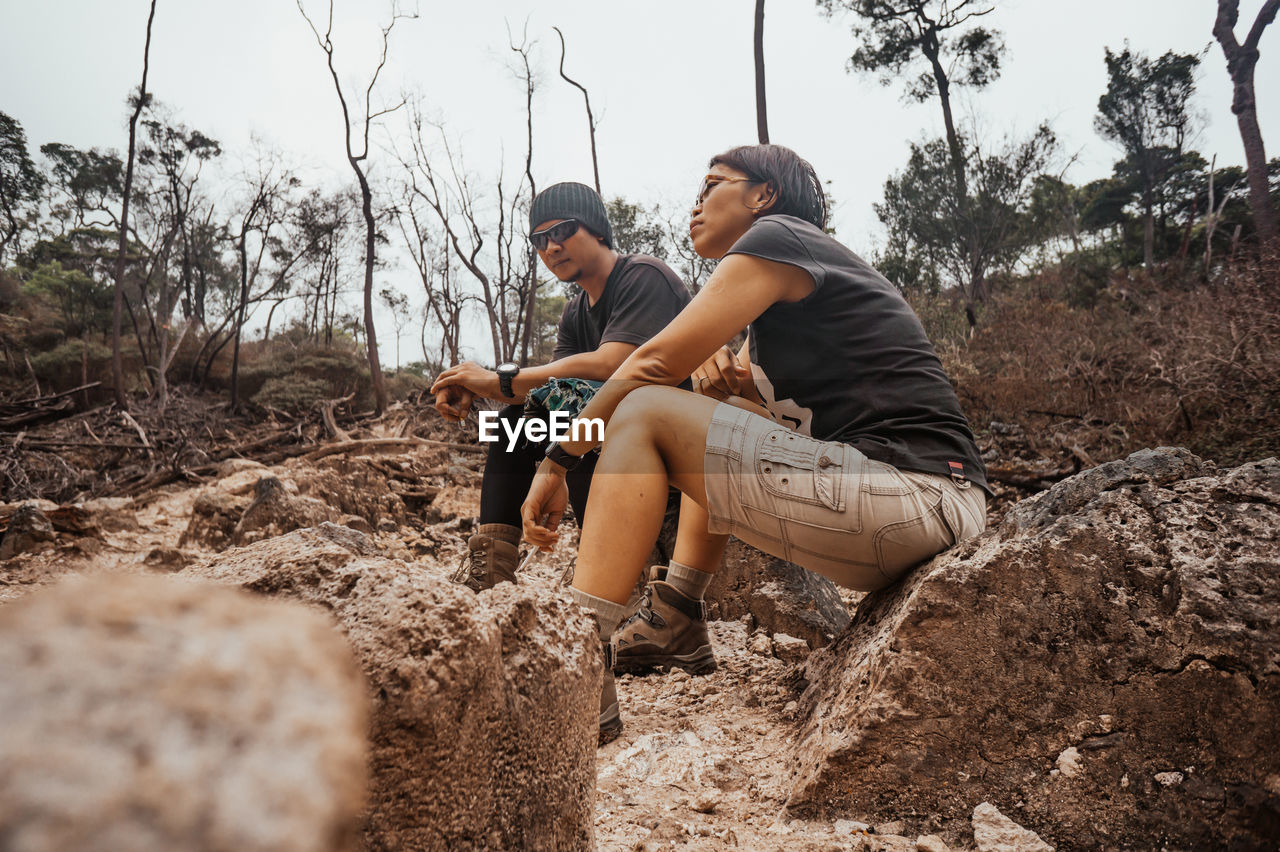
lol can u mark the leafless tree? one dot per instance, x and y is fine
(530, 288)
(117, 363)
(360, 132)
(494, 253)
(591, 121)
(1241, 61)
(446, 300)
(269, 200)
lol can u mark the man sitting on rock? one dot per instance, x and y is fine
(623, 301)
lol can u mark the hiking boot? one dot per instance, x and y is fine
(668, 631)
(491, 558)
(610, 719)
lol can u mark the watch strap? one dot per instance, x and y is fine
(566, 460)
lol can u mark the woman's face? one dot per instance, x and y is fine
(723, 212)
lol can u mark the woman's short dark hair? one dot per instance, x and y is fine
(798, 190)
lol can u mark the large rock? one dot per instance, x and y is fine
(1105, 667)
(485, 706)
(781, 597)
(29, 530)
(274, 511)
(149, 713)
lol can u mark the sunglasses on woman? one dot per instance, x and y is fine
(711, 181)
(557, 233)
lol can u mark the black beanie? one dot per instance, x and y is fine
(572, 201)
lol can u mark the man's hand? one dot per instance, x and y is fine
(470, 376)
(454, 402)
(544, 507)
(721, 376)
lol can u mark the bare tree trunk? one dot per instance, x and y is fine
(366, 196)
(370, 332)
(531, 256)
(1241, 60)
(762, 114)
(591, 121)
(242, 250)
(976, 289)
(117, 362)
(1148, 225)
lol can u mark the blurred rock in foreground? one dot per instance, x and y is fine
(149, 713)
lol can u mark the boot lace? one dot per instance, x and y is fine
(471, 569)
(645, 610)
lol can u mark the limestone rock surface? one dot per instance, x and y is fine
(781, 597)
(485, 706)
(995, 832)
(147, 713)
(1131, 613)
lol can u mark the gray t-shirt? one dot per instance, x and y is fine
(641, 296)
(851, 361)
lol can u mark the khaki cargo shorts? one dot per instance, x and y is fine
(827, 507)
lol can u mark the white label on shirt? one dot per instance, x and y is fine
(787, 411)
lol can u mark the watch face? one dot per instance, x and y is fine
(508, 368)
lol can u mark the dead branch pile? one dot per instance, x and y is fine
(107, 452)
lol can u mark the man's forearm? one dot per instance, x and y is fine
(596, 365)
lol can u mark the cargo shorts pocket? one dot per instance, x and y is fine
(927, 526)
(800, 469)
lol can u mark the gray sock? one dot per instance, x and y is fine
(608, 614)
(688, 581)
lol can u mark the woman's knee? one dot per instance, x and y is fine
(644, 408)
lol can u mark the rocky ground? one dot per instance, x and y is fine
(701, 762)
(1085, 664)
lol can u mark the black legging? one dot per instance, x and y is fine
(508, 475)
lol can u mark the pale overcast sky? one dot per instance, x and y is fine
(671, 83)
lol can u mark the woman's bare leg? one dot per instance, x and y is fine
(658, 436)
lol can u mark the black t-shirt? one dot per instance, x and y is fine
(641, 296)
(851, 361)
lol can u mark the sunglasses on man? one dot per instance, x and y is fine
(557, 233)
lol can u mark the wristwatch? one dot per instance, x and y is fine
(507, 372)
(566, 460)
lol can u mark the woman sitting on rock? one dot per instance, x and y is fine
(832, 439)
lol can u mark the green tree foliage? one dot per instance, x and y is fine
(546, 322)
(934, 44)
(20, 181)
(84, 183)
(84, 303)
(894, 38)
(637, 229)
(935, 239)
(89, 250)
(1146, 111)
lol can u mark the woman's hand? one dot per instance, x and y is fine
(722, 376)
(544, 507)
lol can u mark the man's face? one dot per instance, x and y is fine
(567, 258)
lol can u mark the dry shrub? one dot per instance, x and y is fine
(403, 385)
(294, 379)
(66, 365)
(1149, 359)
